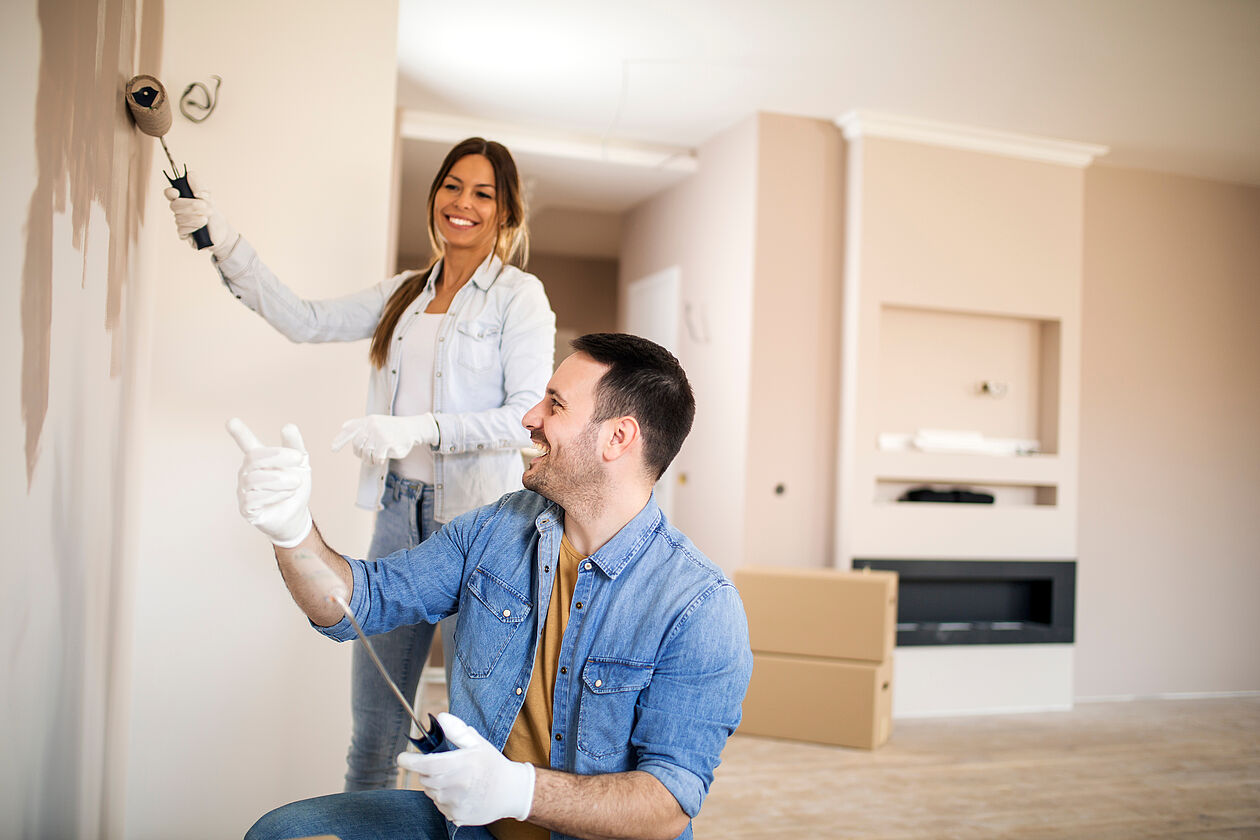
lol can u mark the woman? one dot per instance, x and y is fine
(459, 353)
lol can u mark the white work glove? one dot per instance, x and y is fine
(381, 437)
(474, 784)
(192, 214)
(274, 487)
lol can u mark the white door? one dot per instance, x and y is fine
(652, 304)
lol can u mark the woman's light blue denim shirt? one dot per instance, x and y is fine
(654, 662)
(493, 358)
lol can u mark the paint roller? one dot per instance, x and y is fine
(149, 107)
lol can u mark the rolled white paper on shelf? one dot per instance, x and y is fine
(951, 441)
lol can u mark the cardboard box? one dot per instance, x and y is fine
(820, 612)
(820, 700)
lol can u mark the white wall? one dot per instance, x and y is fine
(705, 226)
(236, 706)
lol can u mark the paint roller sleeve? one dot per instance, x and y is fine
(149, 108)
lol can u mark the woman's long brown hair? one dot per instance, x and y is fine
(511, 244)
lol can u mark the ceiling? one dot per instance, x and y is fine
(1169, 85)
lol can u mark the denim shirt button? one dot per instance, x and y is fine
(507, 613)
(518, 691)
(564, 670)
(587, 567)
(578, 605)
(598, 683)
(559, 737)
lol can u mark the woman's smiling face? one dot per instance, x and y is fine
(466, 207)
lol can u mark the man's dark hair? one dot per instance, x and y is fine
(643, 381)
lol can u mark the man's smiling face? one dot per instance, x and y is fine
(570, 467)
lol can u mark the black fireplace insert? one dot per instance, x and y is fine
(982, 602)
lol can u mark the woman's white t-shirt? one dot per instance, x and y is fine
(416, 353)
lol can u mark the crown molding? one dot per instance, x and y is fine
(446, 128)
(856, 124)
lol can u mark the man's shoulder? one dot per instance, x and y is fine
(685, 552)
(690, 569)
(685, 583)
(519, 508)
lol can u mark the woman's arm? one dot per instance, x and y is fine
(347, 318)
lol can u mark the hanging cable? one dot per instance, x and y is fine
(206, 105)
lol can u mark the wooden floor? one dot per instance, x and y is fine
(1140, 769)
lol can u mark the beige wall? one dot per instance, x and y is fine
(794, 365)
(582, 291)
(757, 235)
(236, 706)
(706, 226)
(1170, 455)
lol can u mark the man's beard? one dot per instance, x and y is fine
(571, 476)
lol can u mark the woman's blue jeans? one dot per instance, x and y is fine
(380, 726)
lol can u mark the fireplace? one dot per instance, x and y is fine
(982, 602)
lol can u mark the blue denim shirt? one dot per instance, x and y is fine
(490, 366)
(654, 662)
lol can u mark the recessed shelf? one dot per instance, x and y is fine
(933, 364)
(1004, 495)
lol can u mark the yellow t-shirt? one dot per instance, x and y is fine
(530, 738)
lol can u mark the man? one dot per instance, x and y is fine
(600, 659)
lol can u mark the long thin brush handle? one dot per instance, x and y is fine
(380, 666)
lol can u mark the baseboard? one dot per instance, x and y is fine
(1171, 695)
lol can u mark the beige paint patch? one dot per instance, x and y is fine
(87, 152)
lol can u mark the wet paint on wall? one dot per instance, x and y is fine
(87, 153)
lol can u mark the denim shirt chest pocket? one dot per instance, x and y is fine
(610, 690)
(487, 622)
(477, 344)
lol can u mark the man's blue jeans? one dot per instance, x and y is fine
(380, 724)
(366, 815)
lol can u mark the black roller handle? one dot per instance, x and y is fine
(201, 236)
(432, 741)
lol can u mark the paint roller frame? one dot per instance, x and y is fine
(432, 739)
(150, 110)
